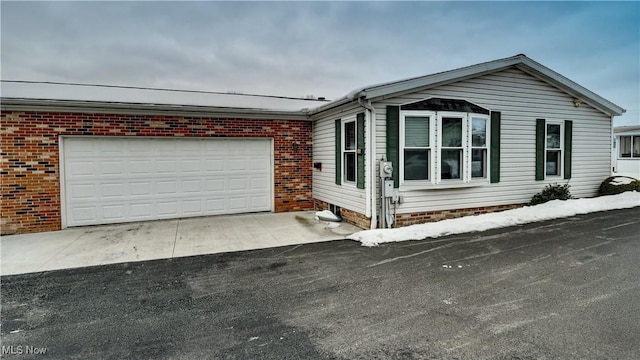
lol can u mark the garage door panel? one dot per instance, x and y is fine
(114, 212)
(109, 180)
(141, 210)
(80, 168)
(111, 190)
(139, 167)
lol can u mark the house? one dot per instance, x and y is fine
(625, 156)
(471, 140)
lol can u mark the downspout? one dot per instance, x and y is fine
(371, 158)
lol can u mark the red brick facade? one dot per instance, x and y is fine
(431, 216)
(362, 221)
(30, 173)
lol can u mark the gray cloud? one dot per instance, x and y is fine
(325, 49)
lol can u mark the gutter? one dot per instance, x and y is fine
(371, 159)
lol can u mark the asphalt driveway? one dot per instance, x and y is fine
(561, 289)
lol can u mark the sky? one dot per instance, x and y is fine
(317, 49)
(554, 209)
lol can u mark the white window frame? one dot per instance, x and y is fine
(560, 149)
(486, 147)
(632, 139)
(432, 147)
(464, 146)
(345, 181)
(435, 142)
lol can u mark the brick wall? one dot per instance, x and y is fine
(364, 222)
(431, 216)
(30, 172)
(352, 217)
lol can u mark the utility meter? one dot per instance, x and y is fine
(386, 169)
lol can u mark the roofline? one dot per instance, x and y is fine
(105, 107)
(521, 61)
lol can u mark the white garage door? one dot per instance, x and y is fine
(112, 180)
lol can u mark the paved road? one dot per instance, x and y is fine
(565, 289)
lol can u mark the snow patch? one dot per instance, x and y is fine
(620, 180)
(326, 215)
(550, 210)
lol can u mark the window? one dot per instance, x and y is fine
(416, 154)
(451, 151)
(478, 147)
(443, 146)
(553, 150)
(349, 151)
(629, 147)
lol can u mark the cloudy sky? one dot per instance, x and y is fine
(317, 48)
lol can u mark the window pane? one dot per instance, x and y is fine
(350, 166)
(479, 132)
(553, 136)
(350, 136)
(451, 132)
(553, 162)
(625, 146)
(636, 146)
(479, 163)
(416, 131)
(416, 164)
(450, 167)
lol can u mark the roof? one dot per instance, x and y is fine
(633, 129)
(84, 95)
(520, 61)
(44, 95)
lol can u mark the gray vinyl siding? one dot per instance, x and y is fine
(521, 98)
(346, 196)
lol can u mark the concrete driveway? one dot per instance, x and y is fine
(564, 289)
(164, 239)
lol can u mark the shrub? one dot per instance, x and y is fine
(551, 192)
(618, 184)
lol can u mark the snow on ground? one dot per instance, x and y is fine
(547, 211)
(620, 180)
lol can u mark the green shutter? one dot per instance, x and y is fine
(338, 152)
(540, 131)
(495, 147)
(393, 141)
(360, 151)
(568, 134)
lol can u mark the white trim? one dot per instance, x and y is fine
(561, 124)
(367, 162)
(487, 178)
(61, 172)
(273, 174)
(343, 133)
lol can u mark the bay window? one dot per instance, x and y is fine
(442, 147)
(416, 145)
(478, 147)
